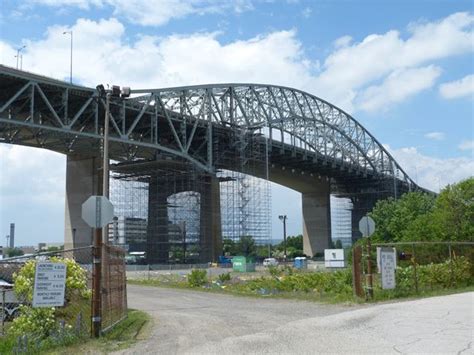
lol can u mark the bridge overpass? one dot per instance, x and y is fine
(307, 144)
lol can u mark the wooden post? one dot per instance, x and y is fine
(370, 286)
(356, 271)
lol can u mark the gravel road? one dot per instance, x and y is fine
(187, 322)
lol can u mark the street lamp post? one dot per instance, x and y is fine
(18, 57)
(70, 61)
(283, 218)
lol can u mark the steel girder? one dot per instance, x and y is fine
(43, 112)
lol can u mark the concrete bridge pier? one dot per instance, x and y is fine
(210, 215)
(316, 219)
(82, 181)
(157, 246)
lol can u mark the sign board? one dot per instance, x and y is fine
(334, 258)
(50, 284)
(379, 267)
(366, 226)
(388, 259)
(97, 211)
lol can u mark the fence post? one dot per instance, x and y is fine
(450, 265)
(356, 271)
(414, 267)
(96, 284)
(3, 311)
(370, 284)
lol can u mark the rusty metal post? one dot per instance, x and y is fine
(356, 271)
(370, 289)
(413, 258)
(96, 284)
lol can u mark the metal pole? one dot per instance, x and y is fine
(3, 312)
(70, 59)
(284, 234)
(70, 70)
(105, 164)
(370, 289)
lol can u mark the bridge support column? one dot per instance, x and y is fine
(211, 233)
(82, 181)
(157, 247)
(316, 219)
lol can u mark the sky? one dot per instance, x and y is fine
(404, 69)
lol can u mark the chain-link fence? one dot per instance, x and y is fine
(33, 328)
(114, 291)
(419, 267)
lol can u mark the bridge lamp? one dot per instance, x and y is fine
(18, 56)
(283, 218)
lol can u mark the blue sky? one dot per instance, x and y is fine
(404, 69)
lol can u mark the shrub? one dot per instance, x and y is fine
(197, 278)
(43, 321)
(223, 278)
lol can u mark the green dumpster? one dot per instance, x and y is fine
(243, 264)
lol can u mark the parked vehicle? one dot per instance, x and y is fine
(270, 262)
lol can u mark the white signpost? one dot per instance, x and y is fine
(97, 211)
(50, 284)
(388, 262)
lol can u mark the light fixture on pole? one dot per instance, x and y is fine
(70, 62)
(283, 218)
(18, 57)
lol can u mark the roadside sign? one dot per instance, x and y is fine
(387, 264)
(97, 211)
(366, 226)
(50, 284)
(334, 258)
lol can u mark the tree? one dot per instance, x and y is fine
(395, 220)
(453, 215)
(246, 246)
(12, 252)
(228, 247)
(338, 244)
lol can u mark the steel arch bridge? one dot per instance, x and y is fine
(301, 132)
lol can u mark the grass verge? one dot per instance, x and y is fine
(134, 328)
(313, 295)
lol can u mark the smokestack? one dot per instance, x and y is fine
(12, 235)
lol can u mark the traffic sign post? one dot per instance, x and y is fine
(367, 228)
(97, 211)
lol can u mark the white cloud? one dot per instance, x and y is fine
(379, 71)
(398, 86)
(306, 13)
(350, 68)
(430, 172)
(459, 88)
(467, 145)
(157, 12)
(437, 136)
(343, 41)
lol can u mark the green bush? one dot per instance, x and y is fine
(223, 278)
(197, 278)
(42, 322)
(454, 273)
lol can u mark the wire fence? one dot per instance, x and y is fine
(420, 267)
(35, 328)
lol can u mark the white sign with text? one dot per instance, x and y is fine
(50, 284)
(388, 259)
